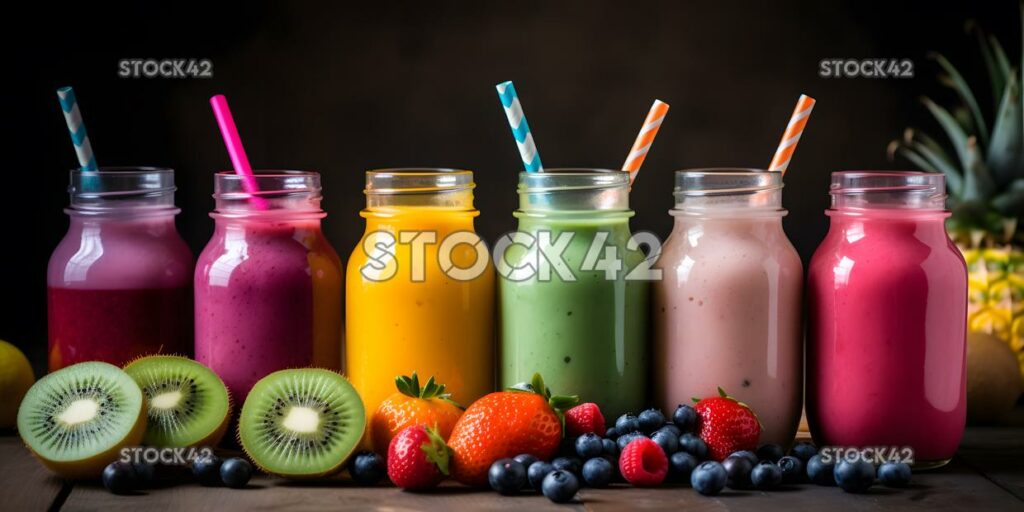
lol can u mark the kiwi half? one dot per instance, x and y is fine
(76, 420)
(301, 423)
(188, 403)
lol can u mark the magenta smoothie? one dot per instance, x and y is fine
(119, 284)
(888, 310)
(727, 311)
(268, 284)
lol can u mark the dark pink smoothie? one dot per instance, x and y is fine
(254, 300)
(119, 286)
(887, 295)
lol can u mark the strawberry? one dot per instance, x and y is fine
(584, 419)
(726, 425)
(418, 458)
(523, 419)
(412, 405)
(643, 463)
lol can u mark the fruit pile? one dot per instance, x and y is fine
(306, 423)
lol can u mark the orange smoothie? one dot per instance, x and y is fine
(403, 312)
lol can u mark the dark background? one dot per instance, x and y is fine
(341, 90)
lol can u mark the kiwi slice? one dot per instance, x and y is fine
(188, 403)
(301, 423)
(76, 420)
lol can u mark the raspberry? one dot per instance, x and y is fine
(643, 463)
(583, 419)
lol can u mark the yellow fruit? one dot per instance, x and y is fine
(993, 378)
(990, 321)
(15, 378)
(971, 256)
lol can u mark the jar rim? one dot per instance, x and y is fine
(738, 181)
(420, 180)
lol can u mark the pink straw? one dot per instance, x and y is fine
(235, 149)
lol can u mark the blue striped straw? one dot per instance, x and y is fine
(520, 128)
(73, 116)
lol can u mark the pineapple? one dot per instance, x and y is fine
(985, 183)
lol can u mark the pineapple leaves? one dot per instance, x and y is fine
(978, 184)
(952, 128)
(1011, 202)
(996, 63)
(954, 80)
(1006, 151)
(924, 152)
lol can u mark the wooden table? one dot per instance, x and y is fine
(987, 474)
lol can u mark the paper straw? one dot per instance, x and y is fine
(73, 116)
(645, 138)
(235, 149)
(520, 128)
(795, 128)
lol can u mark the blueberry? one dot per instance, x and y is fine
(680, 465)
(536, 473)
(651, 420)
(526, 459)
(708, 478)
(854, 476)
(609, 448)
(207, 470)
(507, 476)
(738, 469)
(792, 469)
(668, 442)
(766, 475)
(120, 478)
(570, 464)
(746, 454)
(693, 445)
(589, 446)
(770, 452)
(803, 451)
(820, 472)
(627, 423)
(367, 468)
(597, 472)
(685, 418)
(670, 428)
(560, 486)
(235, 472)
(145, 474)
(611, 433)
(894, 474)
(625, 439)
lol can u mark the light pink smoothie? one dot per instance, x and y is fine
(888, 310)
(267, 293)
(727, 312)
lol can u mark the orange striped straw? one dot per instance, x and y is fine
(794, 129)
(645, 138)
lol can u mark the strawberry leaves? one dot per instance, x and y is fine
(410, 386)
(437, 451)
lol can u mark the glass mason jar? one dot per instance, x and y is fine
(568, 309)
(886, 342)
(119, 283)
(420, 288)
(268, 284)
(727, 310)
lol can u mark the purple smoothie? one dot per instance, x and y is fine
(267, 294)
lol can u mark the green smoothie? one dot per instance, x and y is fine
(586, 337)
